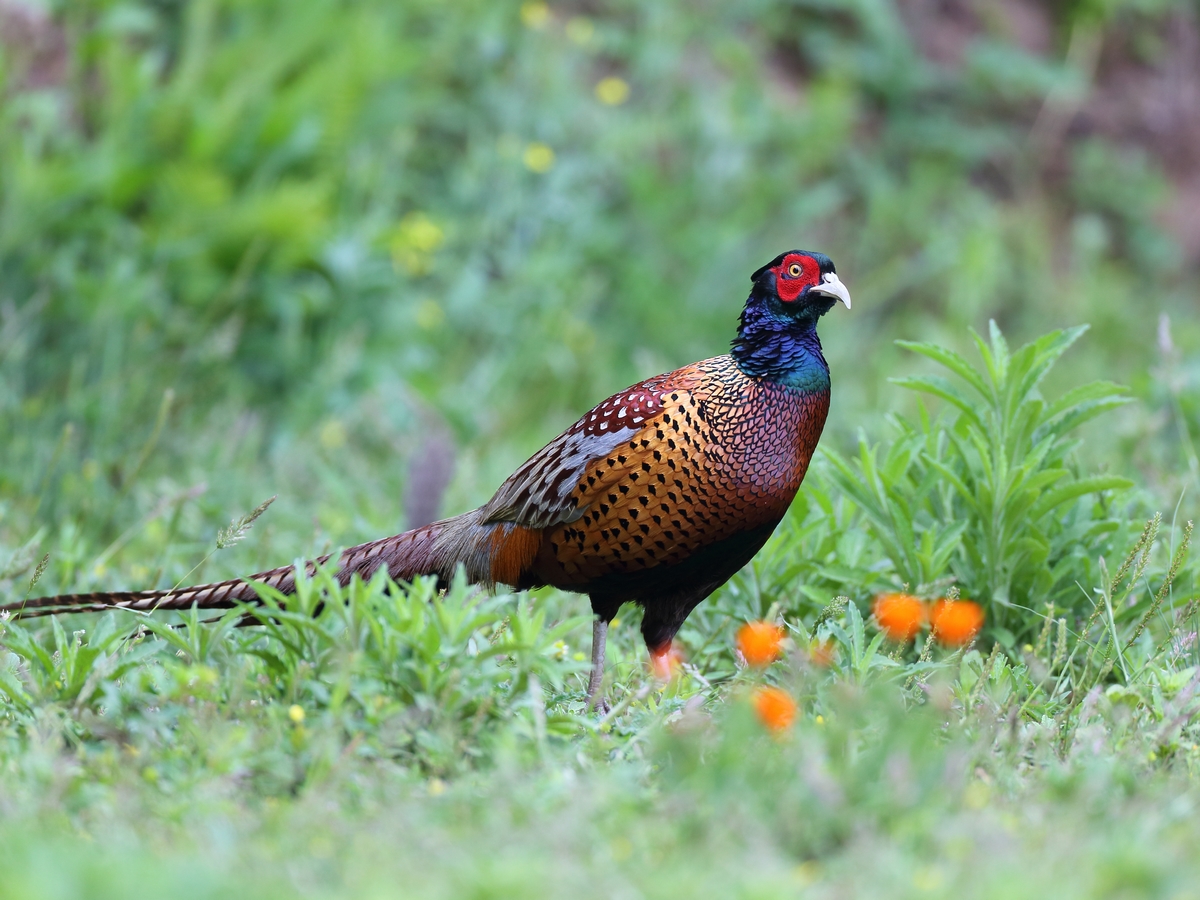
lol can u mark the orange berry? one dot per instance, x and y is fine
(900, 616)
(956, 622)
(775, 707)
(760, 642)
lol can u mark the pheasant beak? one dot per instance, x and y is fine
(831, 286)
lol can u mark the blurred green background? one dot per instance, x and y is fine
(368, 256)
(253, 248)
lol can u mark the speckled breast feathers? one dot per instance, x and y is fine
(661, 470)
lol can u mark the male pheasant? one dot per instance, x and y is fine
(658, 495)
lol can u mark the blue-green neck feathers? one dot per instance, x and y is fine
(780, 348)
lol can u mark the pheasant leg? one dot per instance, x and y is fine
(599, 639)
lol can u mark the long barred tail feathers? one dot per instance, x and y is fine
(487, 552)
(219, 595)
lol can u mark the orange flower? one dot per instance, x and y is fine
(665, 661)
(956, 622)
(900, 616)
(775, 708)
(760, 642)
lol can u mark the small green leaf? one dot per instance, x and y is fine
(1068, 492)
(952, 361)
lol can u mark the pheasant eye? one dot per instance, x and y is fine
(794, 270)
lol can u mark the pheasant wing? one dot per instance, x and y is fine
(545, 490)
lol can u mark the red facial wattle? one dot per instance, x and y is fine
(791, 281)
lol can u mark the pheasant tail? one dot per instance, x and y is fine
(490, 553)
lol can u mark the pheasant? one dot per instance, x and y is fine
(657, 496)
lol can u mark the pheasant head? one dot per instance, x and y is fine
(777, 334)
(799, 284)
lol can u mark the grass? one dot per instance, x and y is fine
(250, 250)
(442, 745)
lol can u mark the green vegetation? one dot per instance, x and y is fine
(250, 248)
(986, 490)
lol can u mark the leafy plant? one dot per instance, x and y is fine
(431, 680)
(987, 494)
(55, 668)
